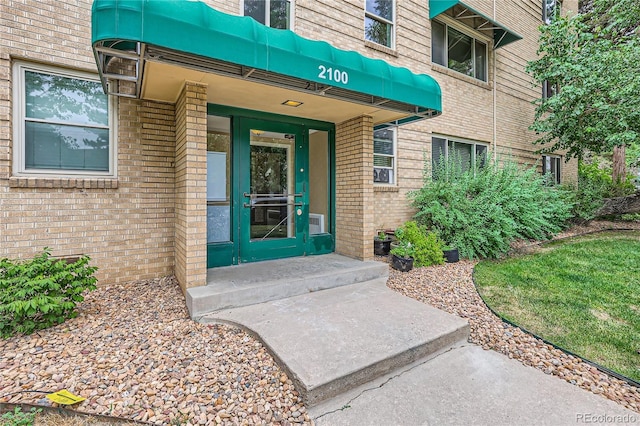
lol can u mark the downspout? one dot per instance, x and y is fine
(495, 123)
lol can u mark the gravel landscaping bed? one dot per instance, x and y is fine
(133, 352)
(450, 288)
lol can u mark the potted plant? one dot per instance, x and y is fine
(451, 254)
(402, 256)
(381, 244)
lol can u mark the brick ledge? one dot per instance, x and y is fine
(385, 188)
(444, 70)
(380, 48)
(49, 182)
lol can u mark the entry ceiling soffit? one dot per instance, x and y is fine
(128, 34)
(460, 11)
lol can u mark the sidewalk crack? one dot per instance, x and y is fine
(347, 405)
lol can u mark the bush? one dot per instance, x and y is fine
(594, 185)
(41, 292)
(425, 247)
(19, 418)
(482, 210)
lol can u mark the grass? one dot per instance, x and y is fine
(582, 294)
(25, 415)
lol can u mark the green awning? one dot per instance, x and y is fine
(126, 33)
(459, 10)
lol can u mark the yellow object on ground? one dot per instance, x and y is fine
(65, 397)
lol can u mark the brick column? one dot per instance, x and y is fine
(191, 186)
(354, 188)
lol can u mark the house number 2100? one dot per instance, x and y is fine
(333, 75)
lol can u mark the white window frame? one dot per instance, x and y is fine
(19, 115)
(473, 143)
(394, 162)
(267, 8)
(556, 9)
(547, 169)
(451, 23)
(370, 15)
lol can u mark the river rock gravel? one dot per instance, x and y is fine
(450, 287)
(133, 352)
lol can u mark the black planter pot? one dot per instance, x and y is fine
(381, 247)
(403, 264)
(451, 256)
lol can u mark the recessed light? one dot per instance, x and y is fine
(292, 103)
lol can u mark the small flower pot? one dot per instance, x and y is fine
(451, 256)
(381, 247)
(403, 264)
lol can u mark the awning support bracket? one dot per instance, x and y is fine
(128, 68)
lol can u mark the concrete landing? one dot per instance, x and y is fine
(470, 386)
(251, 283)
(331, 341)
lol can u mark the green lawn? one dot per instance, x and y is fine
(582, 294)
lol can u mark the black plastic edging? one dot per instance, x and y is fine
(593, 364)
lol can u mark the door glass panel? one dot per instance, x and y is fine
(218, 179)
(272, 185)
(318, 182)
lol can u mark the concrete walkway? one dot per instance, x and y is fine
(331, 341)
(470, 386)
(362, 354)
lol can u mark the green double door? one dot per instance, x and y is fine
(272, 193)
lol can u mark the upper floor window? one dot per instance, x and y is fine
(468, 154)
(549, 89)
(458, 51)
(384, 156)
(272, 13)
(63, 123)
(550, 10)
(551, 167)
(379, 22)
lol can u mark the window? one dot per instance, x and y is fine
(458, 51)
(218, 179)
(551, 167)
(549, 89)
(469, 154)
(272, 13)
(62, 123)
(550, 10)
(384, 153)
(378, 22)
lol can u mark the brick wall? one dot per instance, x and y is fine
(126, 224)
(469, 105)
(355, 225)
(191, 186)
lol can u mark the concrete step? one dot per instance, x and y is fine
(251, 283)
(335, 340)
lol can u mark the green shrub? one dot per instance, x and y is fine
(425, 247)
(19, 418)
(585, 199)
(482, 210)
(403, 249)
(594, 185)
(41, 292)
